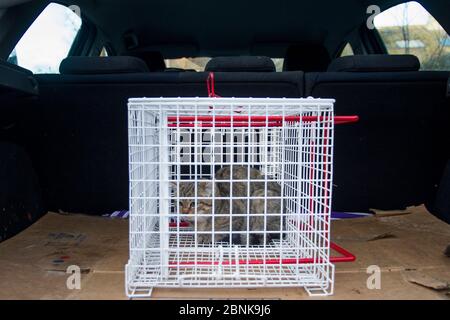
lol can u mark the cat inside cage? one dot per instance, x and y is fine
(226, 185)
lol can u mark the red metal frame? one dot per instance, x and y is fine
(248, 121)
(345, 256)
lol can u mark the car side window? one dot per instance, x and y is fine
(104, 52)
(48, 40)
(347, 51)
(408, 28)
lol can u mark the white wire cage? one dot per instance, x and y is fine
(230, 192)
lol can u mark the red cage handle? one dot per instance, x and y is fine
(249, 121)
(210, 85)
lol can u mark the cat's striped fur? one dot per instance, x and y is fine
(240, 221)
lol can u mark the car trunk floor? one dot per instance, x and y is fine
(408, 247)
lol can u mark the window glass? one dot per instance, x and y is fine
(199, 64)
(409, 29)
(104, 52)
(348, 51)
(48, 40)
(278, 63)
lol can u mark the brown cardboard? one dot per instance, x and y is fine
(425, 280)
(390, 213)
(33, 264)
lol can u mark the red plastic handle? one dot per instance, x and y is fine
(248, 121)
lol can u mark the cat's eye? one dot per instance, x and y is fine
(192, 204)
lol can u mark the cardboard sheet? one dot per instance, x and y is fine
(33, 264)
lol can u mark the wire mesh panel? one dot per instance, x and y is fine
(228, 192)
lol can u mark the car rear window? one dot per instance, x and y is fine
(199, 64)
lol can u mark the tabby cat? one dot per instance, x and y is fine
(240, 220)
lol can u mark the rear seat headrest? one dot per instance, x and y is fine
(375, 63)
(307, 58)
(154, 59)
(102, 65)
(241, 64)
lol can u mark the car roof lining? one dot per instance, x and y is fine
(185, 28)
